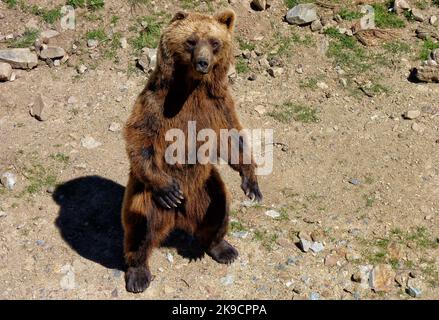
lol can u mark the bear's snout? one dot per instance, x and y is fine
(202, 65)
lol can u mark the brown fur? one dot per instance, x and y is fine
(175, 94)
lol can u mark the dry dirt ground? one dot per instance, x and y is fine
(60, 233)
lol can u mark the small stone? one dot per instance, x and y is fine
(305, 245)
(401, 279)
(414, 288)
(227, 280)
(316, 25)
(48, 34)
(352, 256)
(338, 18)
(275, 72)
(412, 114)
(72, 100)
(19, 58)
(92, 43)
(50, 189)
(57, 62)
(117, 273)
(292, 261)
(114, 293)
(8, 180)
(356, 277)
(123, 43)
(381, 278)
(115, 127)
(367, 21)
(316, 247)
(3, 214)
(272, 213)
(259, 5)
(322, 85)
(413, 274)
(252, 77)
(418, 128)
(81, 69)
(68, 280)
(299, 69)
(417, 14)
(260, 109)
(364, 272)
(355, 182)
(317, 235)
(331, 260)
(40, 242)
(400, 5)
(170, 257)
(302, 14)
(314, 296)
(5, 71)
(89, 142)
(240, 234)
(433, 20)
(37, 109)
(428, 73)
(68, 18)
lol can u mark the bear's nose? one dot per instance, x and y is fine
(202, 65)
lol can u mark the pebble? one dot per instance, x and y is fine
(299, 69)
(322, 85)
(67, 282)
(92, 43)
(117, 273)
(400, 5)
(227, 280)
(50, 189)
(114, 293)
(252, 77)
(119, 99)
(417, 14)
(418, 128)
(305, 245)
(240, 234)
(89, 142)
(52, 52)
(433, 20)
(272, 213)
(275, 72)
(3, 214)
(314, 296)
(316, 247)
(170, 257)
(114, 127)
(259, 5)
(414, 288)
(292, 261)
(72, 100)
(331, 260)
(5, 71)
(8, 180)
(81, 69)
(412, 114)
(123, 43)
(40, 242)
(316, 25)
(355, 182)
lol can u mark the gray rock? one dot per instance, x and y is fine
(40, 242)
(417, 14)
(355, 182)
(433, 20)
(227, 280)
(37, 108)
(89, 142)
(368, 20)
(117, 273)
(52, 52)
(400, 5)
(123, 43)
(316, 25)
(314, 296)
(5, 71)
(92, 43)
(305, 245)
(21, 58)
(414, 288)
(170, 257)
(428, 73)
(114, 127)
(317, 247)
(302, 14)
(68, 21)
(3, 214)
(48, 34)
(240, 234)
(8, 180)
(434, 55)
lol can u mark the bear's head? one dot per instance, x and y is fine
(199, 43)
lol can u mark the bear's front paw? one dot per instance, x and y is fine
(169, 196)
(137, 279)
(223, 252)
(251, 189)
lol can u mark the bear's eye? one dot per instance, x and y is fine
(215, 44)
(191, 43)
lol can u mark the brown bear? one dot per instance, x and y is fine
(189, 83)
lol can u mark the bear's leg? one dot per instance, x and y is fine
(145, 228)
(211, 231)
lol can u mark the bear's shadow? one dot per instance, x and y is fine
(89, 220)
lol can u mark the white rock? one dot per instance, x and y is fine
(92, 43)
(260, 109)
(68, 21)
(8, 180)
(305, 245)
(322, 85)
(240, 234)
(123, 43)
(316, 247)
(302, 14)
(400, 5)
(368, 20)
(114, 127)
(48, 34)
(227, 280)
(433, 20)
(81, 69)
(89, 142)
(170, 257)
(417, 14)
(72, 100)
(418, 127)
(67, 282)
(272, 213)
(412, 114)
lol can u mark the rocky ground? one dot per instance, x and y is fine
(350, 211)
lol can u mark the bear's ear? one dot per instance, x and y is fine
(227, 17)
(180, 15)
